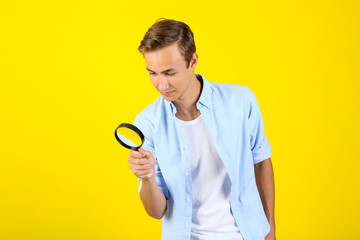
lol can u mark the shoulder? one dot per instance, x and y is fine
(149, 117)
(151, 110)
(231, 92)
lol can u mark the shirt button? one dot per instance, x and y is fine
(186, 224)
(187, 199)
(186, 174)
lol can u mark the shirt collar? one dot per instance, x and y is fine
(206, 94)
(205, 98)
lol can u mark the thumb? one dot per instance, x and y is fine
(146, 153)
(142, 151)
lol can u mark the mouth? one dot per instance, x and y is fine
(169, 93)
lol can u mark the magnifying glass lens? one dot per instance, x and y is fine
(129, 136)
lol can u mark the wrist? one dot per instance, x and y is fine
(272, 222)
(150, 178)
(272, 226)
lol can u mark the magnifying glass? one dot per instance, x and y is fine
(129, 136)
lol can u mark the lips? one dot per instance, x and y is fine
(169, 93)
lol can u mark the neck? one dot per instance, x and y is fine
(186, 107)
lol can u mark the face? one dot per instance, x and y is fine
(169, 73)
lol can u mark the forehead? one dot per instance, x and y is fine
(165, 58)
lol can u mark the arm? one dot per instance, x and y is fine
(142, 163)
(152, 198)
(264, 176)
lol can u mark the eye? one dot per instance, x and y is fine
(170, 74)
(152, 73)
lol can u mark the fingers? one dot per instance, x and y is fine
(140, 167)
(141, 170)
(148, 155)
(138, 161)
(137, 158)
(137, 154)
(142, 163)
(140, 173)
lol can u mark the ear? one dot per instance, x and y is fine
(194, 60)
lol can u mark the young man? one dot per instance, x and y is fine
(205, 166)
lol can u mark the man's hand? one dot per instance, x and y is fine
(271, 234)
(142, 163)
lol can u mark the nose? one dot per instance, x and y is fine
(163, 83)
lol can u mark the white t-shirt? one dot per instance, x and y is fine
(211, 216)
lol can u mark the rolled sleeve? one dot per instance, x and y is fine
(149, 146)
(260, 145)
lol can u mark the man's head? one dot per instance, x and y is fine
(169, 51)
(167, 32)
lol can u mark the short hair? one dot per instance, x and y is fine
(165, 32)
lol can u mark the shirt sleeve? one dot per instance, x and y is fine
(260, 145)
(149, 146)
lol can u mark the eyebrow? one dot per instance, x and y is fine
(167, 70)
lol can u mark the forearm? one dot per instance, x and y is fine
(152, 198)
(265, 182)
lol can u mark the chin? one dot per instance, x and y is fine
(169, 98)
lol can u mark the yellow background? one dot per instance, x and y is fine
(70, 73)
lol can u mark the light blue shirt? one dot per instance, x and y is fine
(234, 118)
